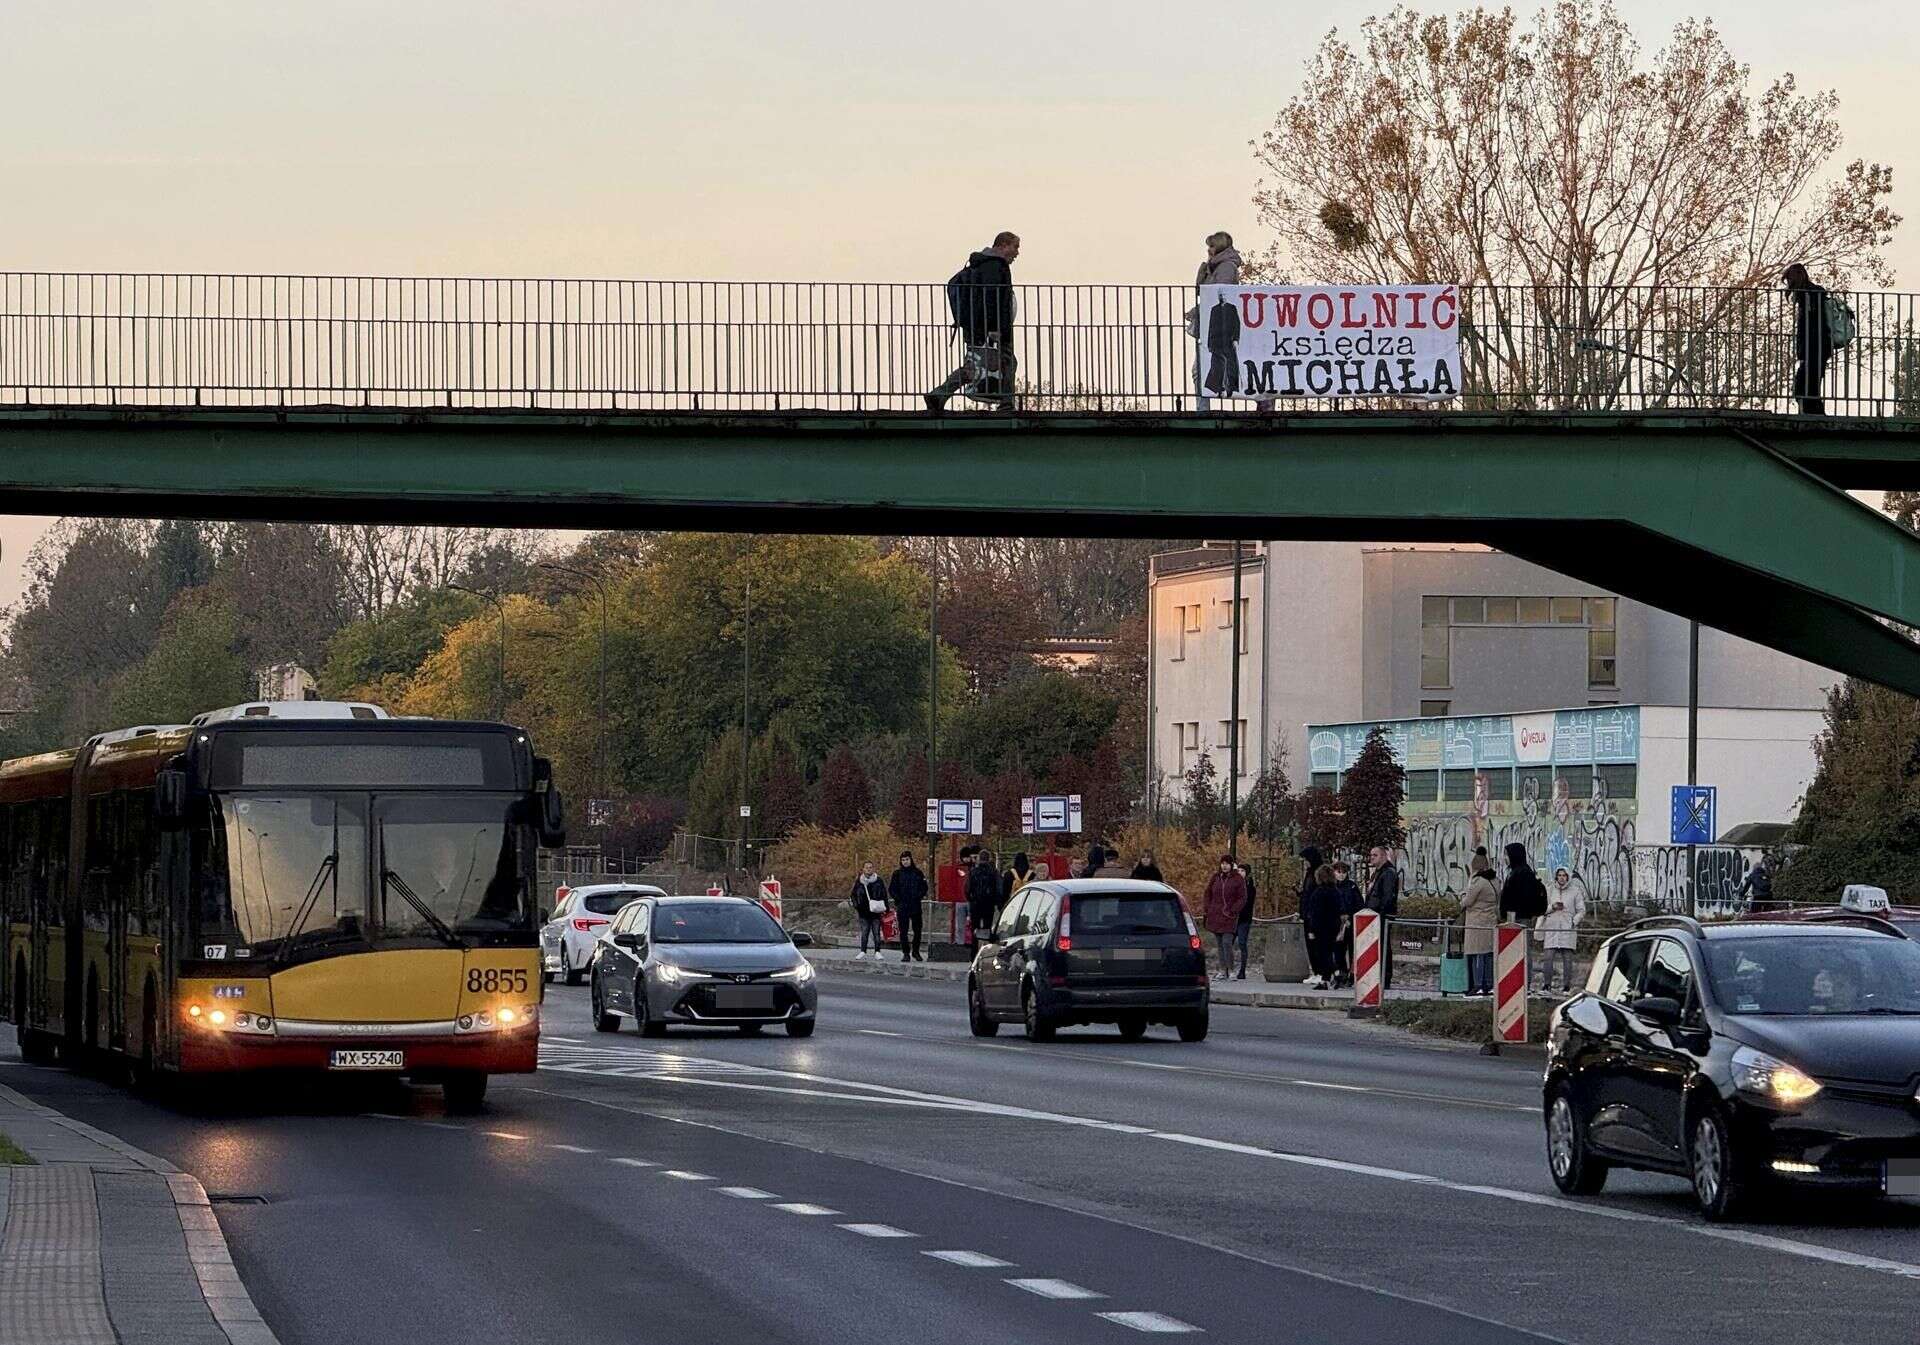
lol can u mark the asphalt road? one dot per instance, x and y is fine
(1295, 1178)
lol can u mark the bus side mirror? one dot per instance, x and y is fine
(553, 817)
(170, 796)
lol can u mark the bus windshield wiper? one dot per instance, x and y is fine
(439, 926)
(328, 864)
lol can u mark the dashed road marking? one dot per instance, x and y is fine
(1054, 1288)
(1153, 1323)
(878, 1231)
(875, 1032)
(637, 1162)
(801, 1207)
(504, 1135)
(681, 1175)
(971, 1260)
(572, 1149)
(744, 1192)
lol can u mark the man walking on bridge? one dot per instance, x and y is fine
(980, 295)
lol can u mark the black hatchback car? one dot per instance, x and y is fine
(1090, 950)
(1743, 1056)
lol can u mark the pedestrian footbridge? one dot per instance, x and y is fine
(1647, 447)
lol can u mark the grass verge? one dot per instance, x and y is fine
(12, 1153)
(1459, 1019)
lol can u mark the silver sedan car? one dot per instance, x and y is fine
(702, 961)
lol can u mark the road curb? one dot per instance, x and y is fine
(218, 1280)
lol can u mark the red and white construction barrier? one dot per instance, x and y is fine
(1510, 983)
(770, 899)
(1366, 959)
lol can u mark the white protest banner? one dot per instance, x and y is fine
(1271, 341)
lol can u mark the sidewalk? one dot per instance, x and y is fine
(1255, 991)
(103, 1244)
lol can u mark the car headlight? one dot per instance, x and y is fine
(1759, 1073)
(802, 972)
(669, 973)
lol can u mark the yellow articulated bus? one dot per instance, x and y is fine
(304, 886)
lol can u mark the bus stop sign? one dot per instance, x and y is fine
(1694, 807)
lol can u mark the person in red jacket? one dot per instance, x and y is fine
(1226, 896)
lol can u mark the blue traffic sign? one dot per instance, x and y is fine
(1694, 810)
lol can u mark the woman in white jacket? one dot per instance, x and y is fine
(1559, 928)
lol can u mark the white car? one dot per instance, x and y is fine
(582, 916)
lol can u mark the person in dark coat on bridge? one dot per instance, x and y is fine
(908, 888)
(982, 299)
(1812, 342)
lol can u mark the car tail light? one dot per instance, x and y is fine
(1063, 937)
(1193, 931)
(588, 926)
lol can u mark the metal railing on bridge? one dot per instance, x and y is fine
(639, 345)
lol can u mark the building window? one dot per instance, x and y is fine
(1502, 611)
(1423, 786)
(1227, 741)
(1568, 612)
(1243, 624)
(1469, 611)
(1574, 783)
(1436, 643)
(1535, 783)
(1534, 611)
(1435, 709)
(1620, 782)
(1499, 785)
(1186, 739)
(1457, 786)
(1188, 623)
(1324, 780)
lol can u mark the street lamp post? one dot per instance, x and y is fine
(1233, 721)
(500, 701)
(600, 749)
(746, 694)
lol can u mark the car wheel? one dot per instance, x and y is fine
(602, 1020)
(648, 1028)
(1720, 1183)
(567, 968)
(1132, 1029)
(1575, 1170)
(464, 1093)
(800, 1027)
(1194, 1026)
(978, 1019)
(1039, 1026)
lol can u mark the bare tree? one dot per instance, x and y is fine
(385, 562)
(1639, 204)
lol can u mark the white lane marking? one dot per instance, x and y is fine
(571, 1041)
(878, 1231)
(801, 1207)
(1054, 1289)
(504, 1135)
(876, 1032)
(572, 1149)
(744, 1192)
(442, 1125)
(971, 1260)
(1336, 1087)
(1786, 1246)
(637, 1162)
(1155, 1064)
(1153, 1323)
(680, 1175)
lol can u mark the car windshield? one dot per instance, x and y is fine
(714, 922)
(608, 903)
(1815, 974)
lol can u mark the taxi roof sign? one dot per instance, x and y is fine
(1865, 899)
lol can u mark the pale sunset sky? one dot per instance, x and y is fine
(723, 139)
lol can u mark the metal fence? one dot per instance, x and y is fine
(638, 345)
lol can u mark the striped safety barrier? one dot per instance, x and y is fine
(1366, 959)
(1510, 983)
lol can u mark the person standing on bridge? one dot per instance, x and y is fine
(980, 296)
(1222, 267)
(1812, 340)
(869, 900)
(1226, 894)
(908, 889)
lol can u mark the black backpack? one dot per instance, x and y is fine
(963, 296)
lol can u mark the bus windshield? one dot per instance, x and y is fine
(307, 873)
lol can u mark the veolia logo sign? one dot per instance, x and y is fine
(1533, 738)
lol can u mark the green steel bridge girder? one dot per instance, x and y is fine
(1693, 513)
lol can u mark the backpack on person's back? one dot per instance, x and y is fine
(1842, 325)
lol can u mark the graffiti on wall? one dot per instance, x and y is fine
(1595, 846)
(1660, 876)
